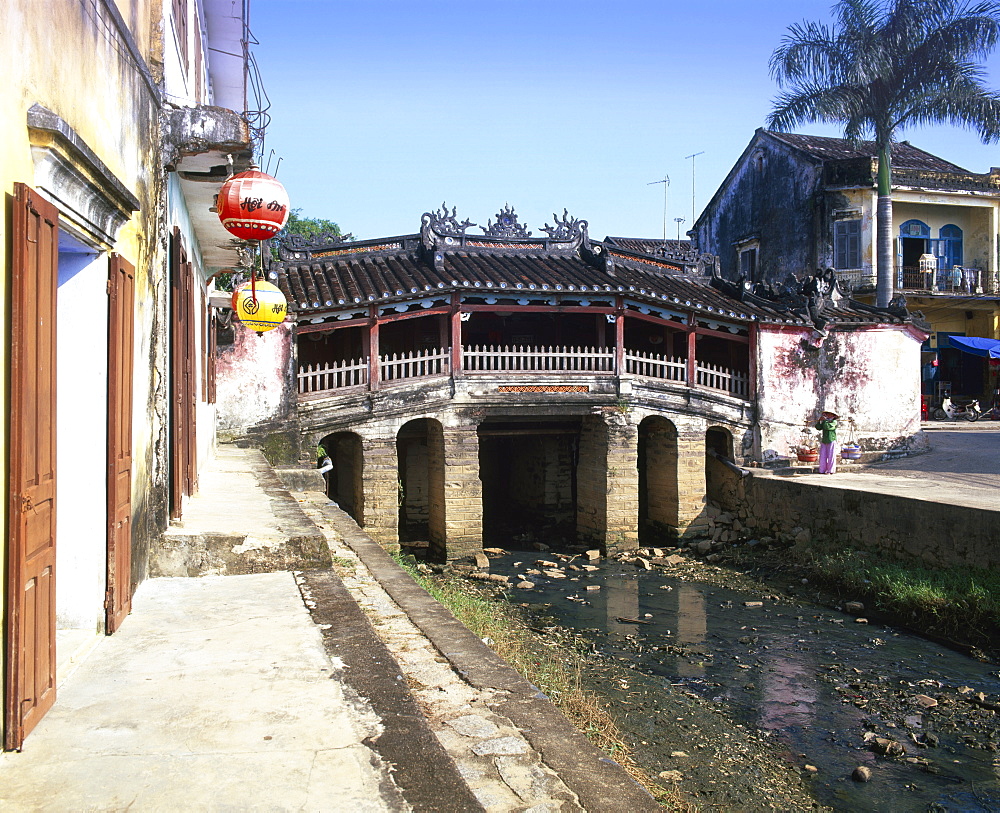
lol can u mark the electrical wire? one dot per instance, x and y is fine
(257, 114)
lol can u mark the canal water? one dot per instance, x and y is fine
(823, 686)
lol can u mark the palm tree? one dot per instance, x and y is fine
(884, 65)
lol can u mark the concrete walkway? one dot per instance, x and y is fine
(232, 692)
(216, 694)
(274, 692)
(961, 468)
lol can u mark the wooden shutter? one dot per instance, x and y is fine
(183, 384)
(31, 549)
(121, 327)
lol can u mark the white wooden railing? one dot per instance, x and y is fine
(335, 376)
(315, 379)
(537, 359)
(418, 364)
(716, 377)
(651, 365)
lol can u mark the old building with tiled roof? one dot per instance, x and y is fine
(794, 204)
(509, 384)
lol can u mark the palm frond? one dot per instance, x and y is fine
(887, 64)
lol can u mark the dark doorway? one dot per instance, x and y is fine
(529, 470)
(719, 479)
(658, 496)
(913, 248)
(343, 481)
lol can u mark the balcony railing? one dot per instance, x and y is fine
(418, 364)
(958, 279)
(719, 378)
(651, 365)
(319, 380)
(537, 360)
(856, 280)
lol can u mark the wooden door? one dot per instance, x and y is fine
(121, 325)
(31, 532)
(190, 427)
(183, 383)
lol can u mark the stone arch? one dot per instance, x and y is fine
(528, 469)
(344, 480)
(421, 475)
(659, 516)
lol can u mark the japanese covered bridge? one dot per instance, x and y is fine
(501, 386)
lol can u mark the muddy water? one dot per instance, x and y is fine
(816, 681)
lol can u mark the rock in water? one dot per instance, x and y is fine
(862, 774)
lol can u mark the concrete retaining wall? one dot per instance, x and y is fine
(934, 533)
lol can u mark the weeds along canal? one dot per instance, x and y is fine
(827, 693)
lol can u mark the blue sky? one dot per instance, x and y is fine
(383, 109)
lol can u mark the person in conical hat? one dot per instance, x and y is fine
(827, 426)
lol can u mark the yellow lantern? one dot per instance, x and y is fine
(260, 305)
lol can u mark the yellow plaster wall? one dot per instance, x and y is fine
(72, 62)
(973, 215)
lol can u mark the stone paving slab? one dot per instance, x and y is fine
(514, 748)
(216, 694)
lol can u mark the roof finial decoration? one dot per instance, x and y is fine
(443, 222)
(506, 225)
(566, 228)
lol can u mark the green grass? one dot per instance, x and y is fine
(952, 599)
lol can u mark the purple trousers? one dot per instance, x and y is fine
(827, 458)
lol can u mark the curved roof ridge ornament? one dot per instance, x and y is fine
(299, 247)
(442, 224)
(506, 226)
(566, 229)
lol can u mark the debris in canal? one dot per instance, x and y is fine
(812, 687)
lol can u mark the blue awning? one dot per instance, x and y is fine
(988, 348)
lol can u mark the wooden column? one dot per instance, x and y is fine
(619, 336)
(692, 338)
(374, 371)
(456, 336)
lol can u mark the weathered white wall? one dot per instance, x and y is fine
(252, 378)
(81, 440)
(178, 215)
(870, 375)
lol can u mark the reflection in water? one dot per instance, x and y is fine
(783, 671)
(692, 627)
(621, 596)
(789, 695)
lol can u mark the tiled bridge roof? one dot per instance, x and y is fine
(323, 280)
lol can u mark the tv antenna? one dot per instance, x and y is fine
(692, 157)
(666, 186)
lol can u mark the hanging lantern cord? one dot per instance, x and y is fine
(253, 278)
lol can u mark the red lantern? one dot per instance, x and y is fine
(253, 205)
